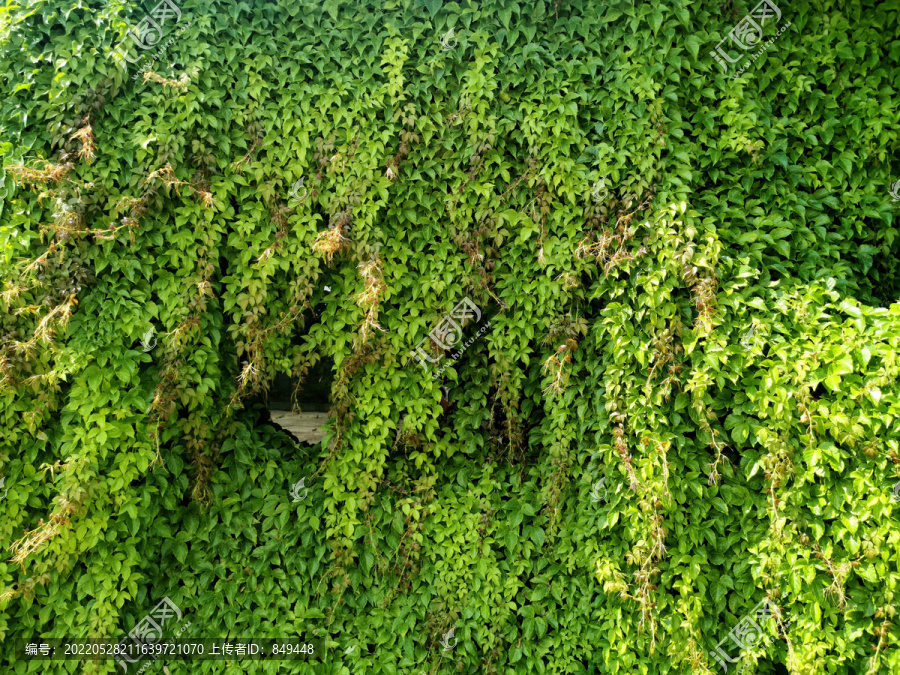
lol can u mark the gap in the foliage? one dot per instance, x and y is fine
(314, 394)
(884, 279)
(732, 455)
(308, 425)
(779, 669)
(276, 403)
(818, 392)
(315, 391)
(223, 266)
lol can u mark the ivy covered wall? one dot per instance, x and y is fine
(680, 229)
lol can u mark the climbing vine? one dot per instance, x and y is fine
(678, 399)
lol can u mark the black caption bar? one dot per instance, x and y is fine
(130, 650)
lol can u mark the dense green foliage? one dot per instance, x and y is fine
(713, 331)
